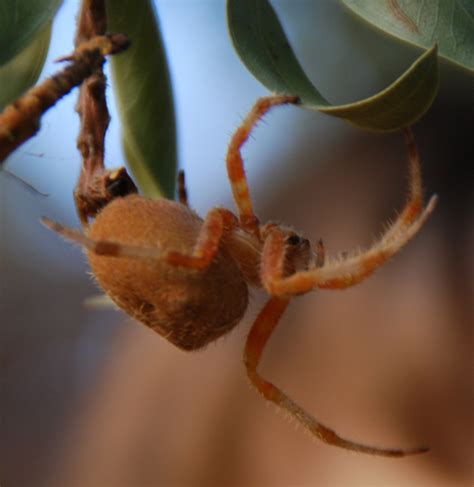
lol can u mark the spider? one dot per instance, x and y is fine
(187, 278)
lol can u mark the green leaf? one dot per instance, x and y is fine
(143, 90)
(398, 105)
(449, 23)
(23, 70)
(20, 23)
(262, 45)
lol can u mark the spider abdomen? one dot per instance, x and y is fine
(188, 307)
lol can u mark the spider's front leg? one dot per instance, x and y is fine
(257, 339)
(352, 269)
(235, 164)
(334, 274)
(217, 222)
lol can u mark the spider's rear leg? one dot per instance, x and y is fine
(217, 222)
(256, 341)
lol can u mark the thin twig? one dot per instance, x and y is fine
(21, 120)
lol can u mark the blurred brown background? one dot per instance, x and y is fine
(90, 398)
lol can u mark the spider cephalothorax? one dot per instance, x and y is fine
(187, 277)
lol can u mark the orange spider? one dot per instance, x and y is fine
(188, 278)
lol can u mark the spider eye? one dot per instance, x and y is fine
(293, 240)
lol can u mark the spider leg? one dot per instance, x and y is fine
(350, 269)
(235, 164)
(335, 274)
(182, 191)
(414, 203)
(256, 341)
(217, 222)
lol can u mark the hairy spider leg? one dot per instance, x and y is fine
(335, 274)
(217, 222)
(256, 341)
(414, 204)
(182, 191)
(235, 164)
(350, 269)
